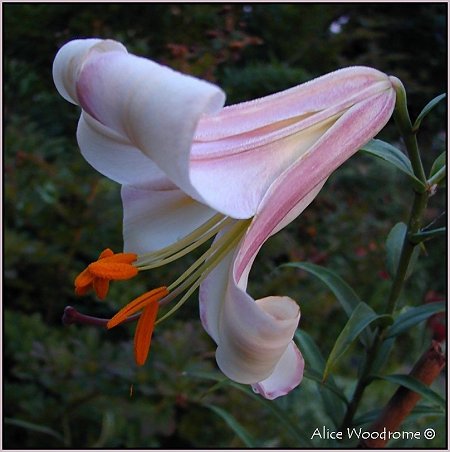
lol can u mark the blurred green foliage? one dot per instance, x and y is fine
(69, 387)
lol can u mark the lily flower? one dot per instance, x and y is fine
(192, 169)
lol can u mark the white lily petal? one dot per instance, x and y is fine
(69, 61)
(154, 107)
(242, 271)
(284, 197)
(115, 157)
(253, 336)
(236, 183)
(215, 155)
(212, 292)
(259, 140)
(286, 376)
(154, 219)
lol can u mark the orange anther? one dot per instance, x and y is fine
(148, 303)
(137, 304)
(108, 267)
(144, 332)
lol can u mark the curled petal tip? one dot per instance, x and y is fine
(69, 61)
(286, 376)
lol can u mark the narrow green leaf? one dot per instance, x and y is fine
(35, 428)
(428, 107)
(438, 179)
(346, 296)
(438, 163)
(394, 156)
(218, 385)
(361, 317)
(310, 351)
(423, 410)
(413, 316)
(381, 357)
(332, 397)
(312, 374)
(232, 422)
(413, 261)
(423, 236)
(367, 418)
(394, 245)
(438, 171)
(415, 385)
(315, 363)
(296, 432)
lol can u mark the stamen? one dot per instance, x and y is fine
(199, 236)
(107, 252)
(110, 266)
(235, 232)
(153, 296)
(101, 287)
(83, 282)
(211, 233)
(83, 279)
(112, 270)
(107, 267)
(144, 332)
(215, 254)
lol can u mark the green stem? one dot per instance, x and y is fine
(414, 225)
(404, 125)
(403, 121)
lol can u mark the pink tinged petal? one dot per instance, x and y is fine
(337, 90)
(227, 312)
(101, 287)
(262, 227)
(247, 146)
(154, 107)
(212, 293)
(286, 376)
(253, 336)
(236, 183)
(221, 293)
(115, 157)
(154, 219)
(213, 289)
(238, 152)
(69, 61)
(299, 183)
(244, 355)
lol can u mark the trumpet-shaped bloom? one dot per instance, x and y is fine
(192, 169)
